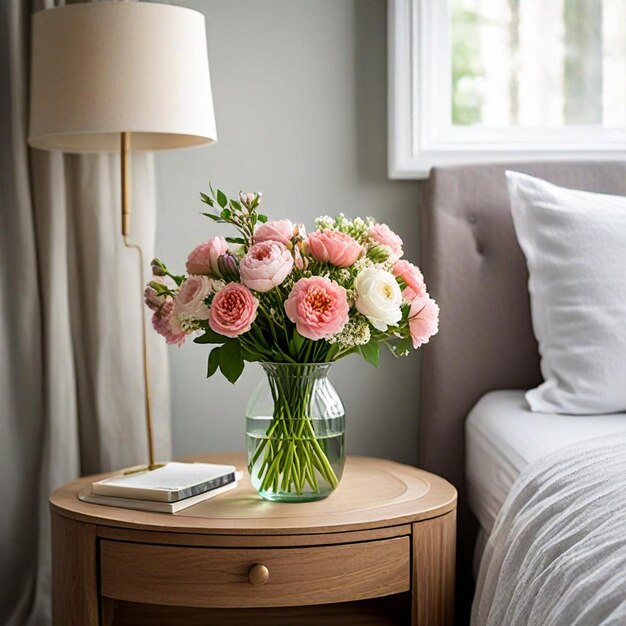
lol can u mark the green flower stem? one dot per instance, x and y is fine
(292, 453)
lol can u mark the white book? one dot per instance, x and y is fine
(170, 483)
(155, 507)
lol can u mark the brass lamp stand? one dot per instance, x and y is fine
(125, 187)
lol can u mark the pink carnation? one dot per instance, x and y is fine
(383, 235)
(278, 230)
(265, 265)
(423, 320)
(233, 310)
(335, 247)
(411, 275)
(318, 307)
(203, 259)
(190, 300)
(166, 324)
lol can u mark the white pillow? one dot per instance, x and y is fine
(575, 247)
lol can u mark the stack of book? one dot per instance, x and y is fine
(167, 489)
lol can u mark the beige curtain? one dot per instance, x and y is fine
(71, 386)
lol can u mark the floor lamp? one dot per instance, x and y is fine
(114, 75)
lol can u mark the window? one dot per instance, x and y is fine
(475, 80)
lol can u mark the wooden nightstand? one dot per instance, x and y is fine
(380, 550)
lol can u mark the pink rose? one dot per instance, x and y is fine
(318, 307)
(278, 230)
(167, 325)
(203, 259)
(335, 247)
(411, 275)
(265, 265)
(190, 302)
(423, 320)
(233, 310)
(384, 236)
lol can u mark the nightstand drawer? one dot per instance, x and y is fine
(225, 577)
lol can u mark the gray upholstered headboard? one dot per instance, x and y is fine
(475, 270)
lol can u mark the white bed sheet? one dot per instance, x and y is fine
(503, 436)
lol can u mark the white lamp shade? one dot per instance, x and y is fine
(102, 68)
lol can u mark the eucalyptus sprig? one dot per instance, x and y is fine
(241, 213)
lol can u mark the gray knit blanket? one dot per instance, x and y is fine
(557, 552)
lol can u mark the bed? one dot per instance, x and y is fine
(503, 437)
(477, 273)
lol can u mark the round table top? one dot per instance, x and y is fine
(373, 493)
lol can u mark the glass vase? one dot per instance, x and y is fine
(295, 425)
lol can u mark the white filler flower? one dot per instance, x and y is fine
(379, 298)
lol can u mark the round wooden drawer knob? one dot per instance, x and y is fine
(258, 574)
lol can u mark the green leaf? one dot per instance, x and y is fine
(403, 346)
(215, 218)
(221, 198)
(210, 336)
(231, 361)
(240, 240)
(234, 205)
(406, 309)
(371, 352)
(206, 199)
(214, 361)
(160, 288)
(297, 341)
(225, 214)
(262, 218)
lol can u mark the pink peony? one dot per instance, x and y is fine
(233, 310)
(423, 320)
(278, 230)
(265, 265)
(318, 307)
(166, 324)
(335, 247)
(411, 275)
(190, 302)
(383, 235)
(203, 259)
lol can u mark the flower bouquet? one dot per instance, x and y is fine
(294, 302)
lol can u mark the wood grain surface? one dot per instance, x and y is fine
(216, 577)
(434, 543)
(373, 493)
(387, 611)
(74, 573)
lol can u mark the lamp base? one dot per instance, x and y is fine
(141, 468)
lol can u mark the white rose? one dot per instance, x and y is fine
(379, 298)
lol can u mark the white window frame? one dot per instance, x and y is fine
(418, 140)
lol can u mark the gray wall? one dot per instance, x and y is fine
(300, 95)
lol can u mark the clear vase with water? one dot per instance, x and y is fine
(295, 424)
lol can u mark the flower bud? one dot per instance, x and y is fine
(158, 269)
(301, 262)
(378, 254)
(153, 300)
(228, 266)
